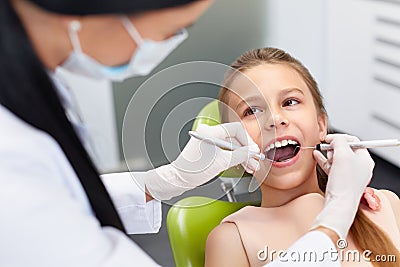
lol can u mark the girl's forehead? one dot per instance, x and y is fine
(271, 76)
(267, 80)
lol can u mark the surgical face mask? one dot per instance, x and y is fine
(147, 56)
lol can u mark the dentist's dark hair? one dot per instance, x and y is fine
(27, 91)
(366, 234)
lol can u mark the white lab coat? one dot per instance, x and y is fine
(45, 216)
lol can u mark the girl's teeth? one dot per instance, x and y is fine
(271, 146)
(280, 144)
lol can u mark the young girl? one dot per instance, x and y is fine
(292, 188)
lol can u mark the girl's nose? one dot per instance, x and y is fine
(277, 120)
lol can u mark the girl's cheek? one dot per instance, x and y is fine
(254, 131)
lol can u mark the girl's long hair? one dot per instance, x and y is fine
(366, 234)
(27, 91)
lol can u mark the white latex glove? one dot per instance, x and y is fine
(200, 162)
(349, 172)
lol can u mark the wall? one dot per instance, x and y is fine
(298, 27)
(352, 47)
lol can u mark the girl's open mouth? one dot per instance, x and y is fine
(282, 151)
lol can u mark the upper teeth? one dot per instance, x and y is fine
(280, 144)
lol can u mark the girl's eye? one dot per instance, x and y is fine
(251, 111)
(290, 102)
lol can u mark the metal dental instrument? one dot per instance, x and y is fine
(356, 145)
(223, 144)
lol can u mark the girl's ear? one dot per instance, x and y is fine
(323, 126)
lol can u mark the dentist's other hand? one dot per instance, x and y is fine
(200, 161)
(369, 198)
(349, 172)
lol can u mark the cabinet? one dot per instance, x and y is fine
(363, 70)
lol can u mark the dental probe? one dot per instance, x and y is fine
(361, 144)
(223, 144)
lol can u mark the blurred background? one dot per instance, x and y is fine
(352, 47)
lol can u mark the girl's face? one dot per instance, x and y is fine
(281, 112)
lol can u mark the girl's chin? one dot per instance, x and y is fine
(283, 182)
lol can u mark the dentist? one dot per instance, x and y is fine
(55, 208)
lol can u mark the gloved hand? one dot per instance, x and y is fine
(349, 172)
(200, 162)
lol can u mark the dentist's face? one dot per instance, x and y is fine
(105, 39)
(102, 37)
(289, 119)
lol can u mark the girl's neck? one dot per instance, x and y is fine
(273, 197)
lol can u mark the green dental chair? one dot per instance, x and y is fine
(190, 220)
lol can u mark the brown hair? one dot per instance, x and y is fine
(366, 234)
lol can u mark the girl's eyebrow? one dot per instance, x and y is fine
(290, 90)
(248, 99)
